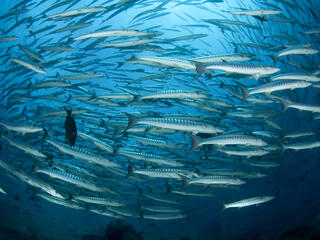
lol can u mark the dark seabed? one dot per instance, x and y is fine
(159, 120)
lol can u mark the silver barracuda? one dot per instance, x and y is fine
(249, 202)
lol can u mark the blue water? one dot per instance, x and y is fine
(294, 183)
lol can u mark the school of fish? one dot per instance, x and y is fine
(130, 120)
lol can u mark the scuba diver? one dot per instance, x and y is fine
(70, 128)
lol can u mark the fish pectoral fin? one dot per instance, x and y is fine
(194, 133)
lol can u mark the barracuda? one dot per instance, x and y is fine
(297, 76)
(294, 51)
(77, 12)
(215, 180)
(161, 172)
(300, 106)
(274, 86)
(3, 191)
(238, 57)
(297, 134)
(24, 147)
(129, 43)
(302, 145)
(249, 202)
(174, 94)
(82, 154)
(8, 39)
(264, 164)
(80, 76)
(31, 53)
(21, 128)
(102, 145)
(228, 139)
(100, 201)
(65, 203)
(195, 194)
(71, 28)
(164, 62)
(164, 216)
(184, 125)
(116, 33)
(148, 157)
(245, 69)
(28, 65)
(161, 209)
(67, 177)
(106, 213)
(156, 142)
(31, 180)
(256, 12)
(245, 153)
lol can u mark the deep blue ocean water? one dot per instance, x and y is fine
(294, 184)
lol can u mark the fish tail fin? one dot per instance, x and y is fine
(45, 134)
(68, 111)
(131, 169)
(135, 98)
(274, 58)
(131, 122)
(199, 68)
(245, 93)
(34, 169)
(284, 105)
(132, 58)
(185, 182)
(224, 207)
(70, 197)
(68, 98)
(195, 143)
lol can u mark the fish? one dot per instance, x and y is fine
(274, 86)
(256, 12)
(59, 201)
(98, 200)
(294, 51)
(176, 124)
(28, 65)
(245, 69)
(2, 191)
(249, 202)
(31, 180)
(8, 39)
(215, 180)
(174, 94)
(164, 216)
(173, 173)
(99, 143)
(148, 157)
(24, 147)
(82, 154)
(77, 12)
(302, 145)
(67, 177)
(296, 76)
(227, 139)
(70, 128)
(21, 128)
(116, 33)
